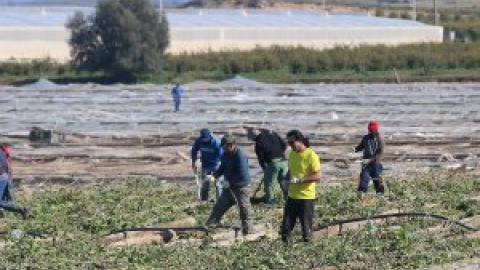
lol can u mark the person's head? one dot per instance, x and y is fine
(228, 143)
(252, 133)
(205, 135)
(297, 141)
(373, 126)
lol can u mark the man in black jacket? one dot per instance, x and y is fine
(270, 149)
(373, 147)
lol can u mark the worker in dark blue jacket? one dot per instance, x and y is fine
(210, 154)
(373, 148)
(236, 185)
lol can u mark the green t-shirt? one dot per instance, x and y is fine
(302, 165)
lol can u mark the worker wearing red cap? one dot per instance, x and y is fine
(373, 147)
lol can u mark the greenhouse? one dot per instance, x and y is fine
(40, 32)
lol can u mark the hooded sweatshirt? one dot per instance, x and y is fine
(210, 149)
(372, 146)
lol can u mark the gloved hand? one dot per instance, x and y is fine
(296, 180)
(194, 168)
(210, 178)
(224, 184)
(366, 161)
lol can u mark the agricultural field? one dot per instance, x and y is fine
(119, 158)
(74, 220)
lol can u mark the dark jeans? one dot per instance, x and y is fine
(301, 209)
(176, 104)
(6, 199)
(371, 171)
(229, 198)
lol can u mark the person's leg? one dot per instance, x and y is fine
(289, 219)
(176, 103)
(205, 186)
(281, 178)
(363, 182)
(11, 207)
(4, 191)
(244, 207)
(377, 178)
(306, 212)
(225, 201)
(270, 175)
(218, 184)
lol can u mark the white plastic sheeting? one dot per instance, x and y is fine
(421, 111)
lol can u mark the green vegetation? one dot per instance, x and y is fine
(415, 62)
(78, 216)
(124, 38)
(304, 62)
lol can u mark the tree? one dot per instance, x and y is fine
(124, 38)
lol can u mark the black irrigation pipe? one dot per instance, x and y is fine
(31, 233)
(199, 228)
(408, 214)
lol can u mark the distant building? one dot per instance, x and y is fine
(41, 32)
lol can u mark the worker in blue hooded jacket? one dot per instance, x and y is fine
(211, 153)
(177, 93)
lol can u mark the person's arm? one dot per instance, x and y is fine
(260, 155)
(282, 143)
(360, 146)
(221, 169)
(194, 151)
(314, 177)
(315, 168)
(219, 148)
(381, 146)
(242, 162)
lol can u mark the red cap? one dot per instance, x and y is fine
(373, 126)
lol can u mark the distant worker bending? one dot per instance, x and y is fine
(270, 150)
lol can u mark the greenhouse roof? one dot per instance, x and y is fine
(58, 16)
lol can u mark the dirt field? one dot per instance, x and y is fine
(115, 131)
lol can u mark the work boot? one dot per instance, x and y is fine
(24, 213)
(256, 200)
(248, 231)
(361, 196)
(285, 239)
(379, 186)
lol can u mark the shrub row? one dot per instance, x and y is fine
(295, 60)
(305, 60)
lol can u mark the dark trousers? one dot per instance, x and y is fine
(229, 198)
(301, 209)
(371, 171)
(6, 199)
(176, 104)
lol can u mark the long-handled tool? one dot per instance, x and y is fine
(198, 181)
(260, 184)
